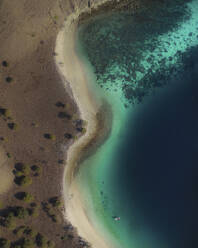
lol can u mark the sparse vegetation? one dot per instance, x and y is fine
(30, 232)
(41, 241)
(8, 220)
(50, 212)
(23, 243)
(59, 104)
(3, 139)
(12, 126)
(4, 112)
(23, 168)
(5, 63)
(4, 243)
(64, 115)
(55, 201)
(8, 79)
(50, 244)
(23, 180)
(68, 136)
(33, 124)
(21, 212)
(49, 136)
(17, 173)
(24, 196)
(19, 231)
(8, 155)
(34, 212)
(36, 168)
(61, 161)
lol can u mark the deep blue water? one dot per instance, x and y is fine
(146, 172)
(158, 165)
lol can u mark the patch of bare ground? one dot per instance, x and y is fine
(37, 124)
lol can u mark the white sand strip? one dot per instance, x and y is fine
(74, 79)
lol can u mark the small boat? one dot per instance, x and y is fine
(116, 218)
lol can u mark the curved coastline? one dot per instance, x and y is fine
(75, 80)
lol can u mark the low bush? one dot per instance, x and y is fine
(19, 231)
(41, 241)
(9, 222)
(8, 155)
(64, 115)
(21, 213)
(5, 63)
(55, 201)
(50, 244)
(17, 173)
(24, 168)
(34, 212)
(24, 196)
(4, 243)
(12, 126)
(4, 112)
(29, 232)
(23, 243)
(68, 136)
(23, 180)
(49, 136)
(9, 79)
(61, 161)
(59, 104)
(36, 168)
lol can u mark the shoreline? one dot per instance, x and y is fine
(71, 69)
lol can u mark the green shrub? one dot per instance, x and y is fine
(4, 112)
(5, 63)
(50, 244)
(23, 243)
(12, 126)
(19, 231)
(34, 212)
(8, 155)
(55, 201)
(49, 136)
(41, 241)
(61, 161)
(24, 168)
(23, 180)
(28, 231)
(55, 218)
(36, 168)
(59, 104)
(17, 173)
(9, 223)
(24, 196)
(28, 243)
(4, 243)
(68, 136)
(64, 115)
(8, 79)
(21, 212)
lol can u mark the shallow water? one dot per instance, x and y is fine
(146, 67)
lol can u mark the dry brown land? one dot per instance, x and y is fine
(30, 87)
(28, 31)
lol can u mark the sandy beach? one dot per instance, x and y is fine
(74, 77)
(45, 94)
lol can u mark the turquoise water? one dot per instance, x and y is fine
(145, 64)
